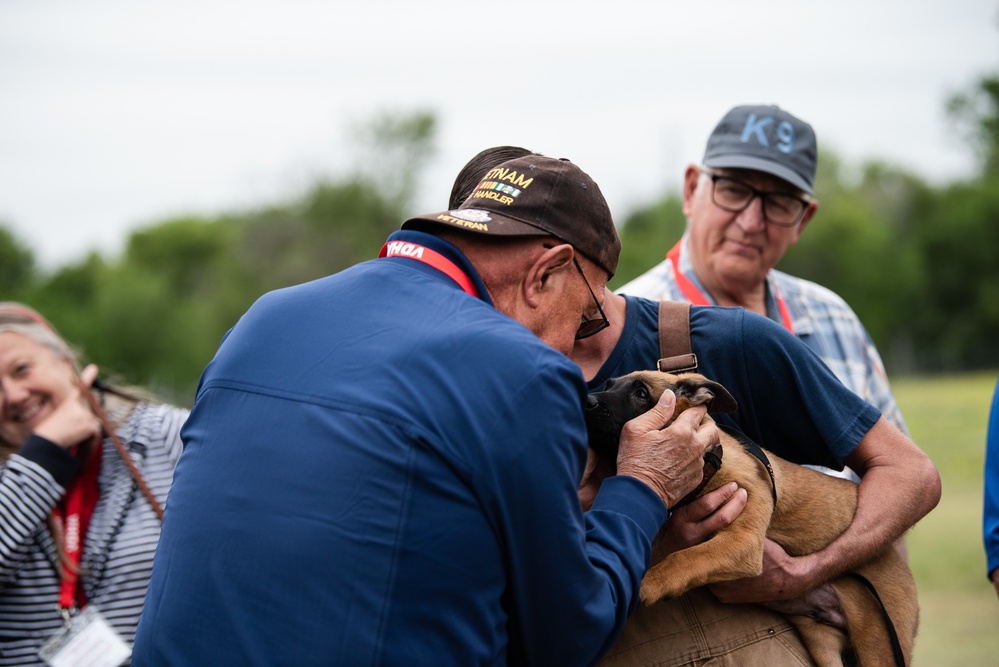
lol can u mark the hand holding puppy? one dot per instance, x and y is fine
(669, 459)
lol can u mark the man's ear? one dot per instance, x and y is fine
(690, 179)
(542, 272)
(810, 211)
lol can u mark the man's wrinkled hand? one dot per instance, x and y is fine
(669, 459)
(699, 520)
(783, 578)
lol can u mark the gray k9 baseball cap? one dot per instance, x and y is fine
(767, 139)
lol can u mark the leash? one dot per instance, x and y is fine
(896, 646)
(756, 451)
(712, 462)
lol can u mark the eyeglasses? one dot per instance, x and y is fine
(779, 208)
(589, 327)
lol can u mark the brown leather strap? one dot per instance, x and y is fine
(675, 353)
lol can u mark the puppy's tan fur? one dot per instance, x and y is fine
(813, 509)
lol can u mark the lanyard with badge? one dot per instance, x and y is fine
(86, 639)
(432, 258)
(696, 296)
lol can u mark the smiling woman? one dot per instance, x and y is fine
(83, 474)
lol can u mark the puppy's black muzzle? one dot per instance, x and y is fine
(603, 424)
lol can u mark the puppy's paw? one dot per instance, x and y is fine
(658, 586)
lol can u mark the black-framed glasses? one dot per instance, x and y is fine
(589, 327)
(733, 195)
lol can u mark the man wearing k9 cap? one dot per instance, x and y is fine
(381, 466)
(747, 202)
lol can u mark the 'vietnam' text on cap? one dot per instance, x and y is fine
(532, 196)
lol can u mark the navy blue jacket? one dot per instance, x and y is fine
(380, 469)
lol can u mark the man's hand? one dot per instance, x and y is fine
(596, 471)
(669, 460)
(698, 520)
(783, 578)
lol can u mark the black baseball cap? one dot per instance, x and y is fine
(536, 196)
(767, 139)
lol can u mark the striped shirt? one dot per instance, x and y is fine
(819, 317)
(118, 550)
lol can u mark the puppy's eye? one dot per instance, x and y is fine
(643, 394)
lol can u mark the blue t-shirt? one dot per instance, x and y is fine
(789, 401)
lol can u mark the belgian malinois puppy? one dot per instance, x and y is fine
(799, 508)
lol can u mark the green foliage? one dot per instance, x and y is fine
(646, 235)
(958, 318)
(392, 148)
(947, 416)
(182, 252)
(67, 298)
(976, 113)
(860, 244)
(17, 264)
(155, 316)
(916, 262)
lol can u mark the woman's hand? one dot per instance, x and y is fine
(72, 421)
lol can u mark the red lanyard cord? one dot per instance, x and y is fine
(73, 521)
(433, 258)
(81, 499)
(697, 297)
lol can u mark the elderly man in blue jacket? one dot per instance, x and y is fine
(381, 466)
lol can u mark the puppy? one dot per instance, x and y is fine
(799, 508)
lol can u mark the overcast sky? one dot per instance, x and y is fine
(116, 114)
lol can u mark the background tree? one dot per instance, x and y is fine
(17, 264)
(976, 115)
(155, 315)
(917, 263)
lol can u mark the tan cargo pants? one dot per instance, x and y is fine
(696, 629)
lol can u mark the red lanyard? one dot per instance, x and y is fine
(81, 499)
(696, 297)
(433, 258)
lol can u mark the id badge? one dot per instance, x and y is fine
(89, 641)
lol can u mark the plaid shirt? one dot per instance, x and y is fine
(819, 317)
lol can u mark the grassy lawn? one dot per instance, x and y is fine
(959, 612)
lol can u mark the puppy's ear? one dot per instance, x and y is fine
(700, 390)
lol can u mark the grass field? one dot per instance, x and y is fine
(959, 612)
